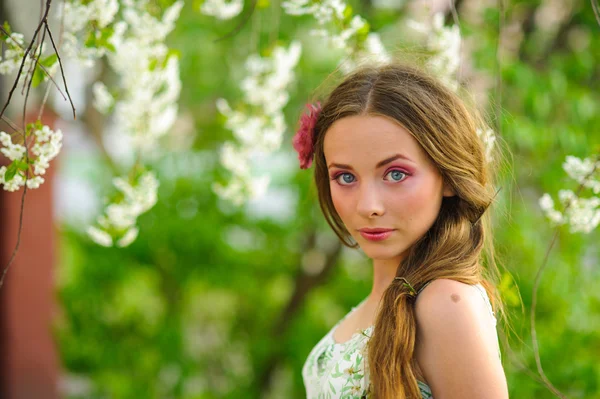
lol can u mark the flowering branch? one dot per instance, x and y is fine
(342, 30)
(47, 144)
(582, 216)
(39, 27)
(261, 129)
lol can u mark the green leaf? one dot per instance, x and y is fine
(363, 32)
(22, 165)
(49, 61)
(263, 4)
(90, 40)
(11, 171)
(347, 13)
(7, 29)
(38, 76)
(332, 388)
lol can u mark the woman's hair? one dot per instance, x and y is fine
(452, 248)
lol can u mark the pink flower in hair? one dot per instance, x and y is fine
(303, 139)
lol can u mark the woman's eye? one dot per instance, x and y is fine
(344, 179)
(397, 175)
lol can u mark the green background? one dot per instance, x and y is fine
(218, 301)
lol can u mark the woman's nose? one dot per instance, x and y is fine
(369, 202)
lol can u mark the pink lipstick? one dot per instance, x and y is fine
(376, 234)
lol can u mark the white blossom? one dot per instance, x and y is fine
(150, 83)
(99, 236)
(375, 47)
(444, 42)
(11, 151)
(145, 101)
(119, 218)
(324, 11)
(82, 20)
(586, 172)
(147, 29)
(103, 100)
(547, 205)
(13, 55)
(35, 182)
(261, 127)
(338, 30)
(234, 158)
(76, 15)
(104, 11)
(47, 145)
(581, 214)
(265, 86)
(13, 185)
(373, 52)
(128, 237)
(233, 191)
(222, 9)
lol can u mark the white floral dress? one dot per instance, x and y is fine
(339, 370)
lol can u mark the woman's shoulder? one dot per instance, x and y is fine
(454, 322)
(447, 298)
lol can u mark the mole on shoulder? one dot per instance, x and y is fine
(455, 297)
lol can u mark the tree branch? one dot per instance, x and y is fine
(304, 284)
(240, 25)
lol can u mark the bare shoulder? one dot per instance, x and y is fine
(456, 347)
(444, 295)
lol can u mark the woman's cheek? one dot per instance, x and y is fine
(338, 203)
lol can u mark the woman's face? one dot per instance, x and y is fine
(380, 177)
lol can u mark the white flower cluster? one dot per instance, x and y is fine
(120, 217)
(145, 108)
(47, 146)
(324, 11)
(84, 20)
(149, 76)
(261, 129)
(338, 27)
(340, 40)
(103, 100)
(372, 51)
(582, 214)
(444, 42)
(13, 55)
(585, 172)
(222, 9)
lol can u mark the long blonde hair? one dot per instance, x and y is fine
(458, 245)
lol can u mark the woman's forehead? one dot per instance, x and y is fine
(365, 139)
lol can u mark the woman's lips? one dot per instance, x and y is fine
(376, 236)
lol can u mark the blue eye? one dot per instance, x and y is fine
(348, 178)
(397, 174)
(344, 179)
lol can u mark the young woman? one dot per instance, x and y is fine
(402, 173)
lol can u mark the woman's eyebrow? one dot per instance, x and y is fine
(379, 164)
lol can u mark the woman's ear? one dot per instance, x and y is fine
(448, 191)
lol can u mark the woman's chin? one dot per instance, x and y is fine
(382, 253)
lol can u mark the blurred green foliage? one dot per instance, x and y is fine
(192, 308)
